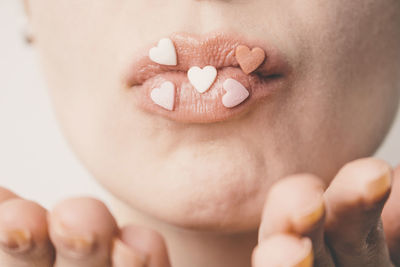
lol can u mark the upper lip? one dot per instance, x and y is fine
(215, 49)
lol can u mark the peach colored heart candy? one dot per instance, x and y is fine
(248, 60)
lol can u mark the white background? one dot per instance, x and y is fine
(35, 161)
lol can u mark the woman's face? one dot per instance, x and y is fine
(335, 104)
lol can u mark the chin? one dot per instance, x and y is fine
(200, 193)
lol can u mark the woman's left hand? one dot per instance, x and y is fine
(305, 224)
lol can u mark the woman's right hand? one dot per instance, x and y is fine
(305, 224)
(79, 232)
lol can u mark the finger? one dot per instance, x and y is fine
(82, 231)
(283, 250)
(24, 239)
(391, 219)
(6, 194)
(140, 247)
(123, 256)
(354, 203)
(295, 205)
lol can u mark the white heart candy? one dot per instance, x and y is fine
(164, 53)
(164, 96)
(202, 79)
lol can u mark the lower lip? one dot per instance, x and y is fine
(194, 107)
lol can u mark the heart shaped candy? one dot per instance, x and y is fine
(248, 60)
(164, 53)
(236, 93)
(202, 79)
(164, 96)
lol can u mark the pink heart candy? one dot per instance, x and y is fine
(236, 93)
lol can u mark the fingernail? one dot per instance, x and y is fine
(124, 255)
(78, 244)
(308, 260)
(284, 250)
(16, 240)
(310, 215)
(378, 186)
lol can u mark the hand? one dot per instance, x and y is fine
(305, 225)
(337, 227)
(82, 233)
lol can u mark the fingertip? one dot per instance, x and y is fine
(124, 255)
(308, 218)
(23, 234)
(24, 214)
(82, 230)
(283, 250)
(6, 194)
(294, 204)
(390, 218)
(364, 182)
(87, 214)
(148, 243)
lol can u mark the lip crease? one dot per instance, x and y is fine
(216, 49)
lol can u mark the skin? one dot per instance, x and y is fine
(343, 97)
(339, 226)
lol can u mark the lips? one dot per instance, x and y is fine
(215, 49)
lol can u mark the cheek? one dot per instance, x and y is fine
(352, 65)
